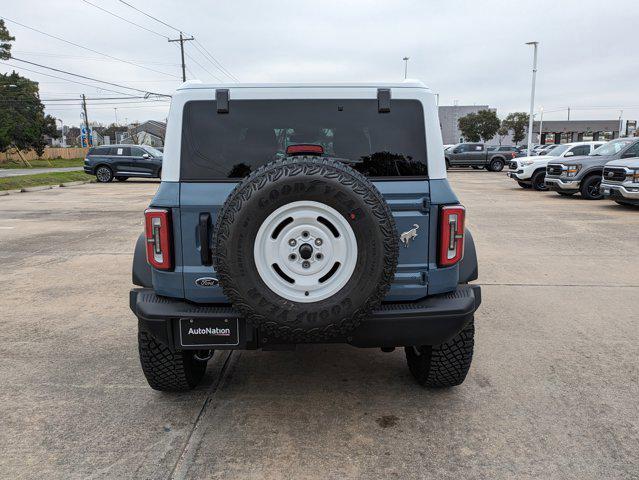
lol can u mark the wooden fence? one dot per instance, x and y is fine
(49, 154)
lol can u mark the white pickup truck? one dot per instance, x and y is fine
(530, 172)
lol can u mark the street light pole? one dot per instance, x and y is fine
(532, 95)
(116, 115)
(63, 141)
(406, 66)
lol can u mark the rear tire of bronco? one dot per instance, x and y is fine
(444, 365)
(168, 371)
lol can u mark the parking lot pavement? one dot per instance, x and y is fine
(552, 392)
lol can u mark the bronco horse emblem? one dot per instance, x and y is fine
(406, 237)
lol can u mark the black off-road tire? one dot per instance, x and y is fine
(168, 371)
(524, 185)
(496, 165)
(590, 188)
(290, 180)
(537, 181)
(444, 365)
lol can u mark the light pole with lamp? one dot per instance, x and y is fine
(532, 95)
(63, 140)
(406, 66)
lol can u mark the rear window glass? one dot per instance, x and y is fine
(255, 132)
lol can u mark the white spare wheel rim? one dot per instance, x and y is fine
(305, 251)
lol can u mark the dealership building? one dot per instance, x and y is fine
(563, 131)
(554, 131)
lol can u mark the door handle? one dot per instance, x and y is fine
(205, 235)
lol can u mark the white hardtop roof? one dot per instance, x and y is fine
(408, 83)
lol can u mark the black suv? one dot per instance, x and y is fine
(123, 161)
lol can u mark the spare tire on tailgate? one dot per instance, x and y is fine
(305, 248)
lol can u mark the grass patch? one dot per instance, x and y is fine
(54, 178)
(42, 163)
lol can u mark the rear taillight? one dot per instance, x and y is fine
(305, 149)
(451, 235)
(158, 238)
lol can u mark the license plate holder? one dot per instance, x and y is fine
(209, 332)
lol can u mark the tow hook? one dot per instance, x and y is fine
(203, 355)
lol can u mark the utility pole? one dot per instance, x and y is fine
(116, 115)
(86, 120)
(182, 39)
(532, 96)
(620, 121)
(406, 66)
(568, 113)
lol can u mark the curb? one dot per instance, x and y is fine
(44, 187)
(72, 184)
(36, 189)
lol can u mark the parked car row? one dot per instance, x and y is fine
(595, 170)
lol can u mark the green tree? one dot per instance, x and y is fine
(5, 42)
(502, 132)
(482, 125)
(469, 127)
(517, 123)
(23, 123)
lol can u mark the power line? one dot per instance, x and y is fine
(208, 54)
(89, 49)
(203, 68)
(126, 20)
(84, 57)
(90, 78)
(216, 62)
(150, 16)
(65, 79)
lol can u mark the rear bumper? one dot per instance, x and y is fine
(431, 321)
(562, 185)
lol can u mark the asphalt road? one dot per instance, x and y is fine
(552, 392)
(17, 172)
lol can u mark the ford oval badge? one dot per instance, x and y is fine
(206, 282)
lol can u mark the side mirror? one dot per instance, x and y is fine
(569, 154)
(146, 156)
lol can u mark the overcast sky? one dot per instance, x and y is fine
(470, 52)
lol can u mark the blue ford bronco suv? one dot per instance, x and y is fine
(292, 214)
